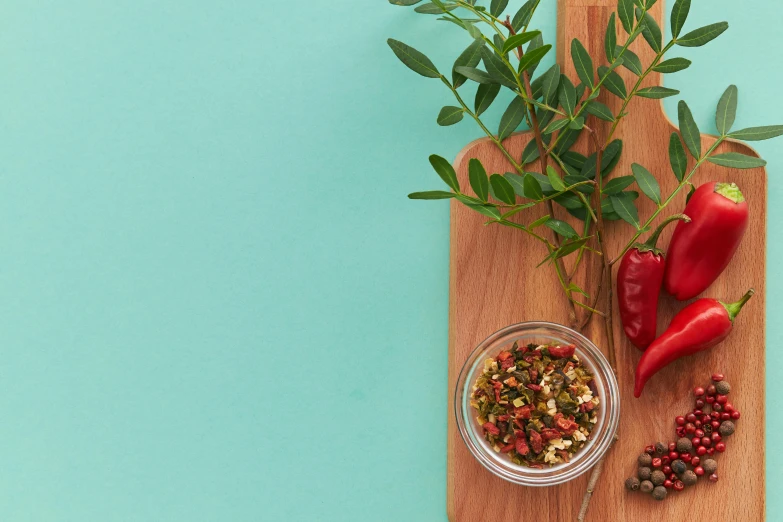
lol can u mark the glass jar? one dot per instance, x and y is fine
(606, 389)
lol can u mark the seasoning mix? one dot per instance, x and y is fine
(536, 403)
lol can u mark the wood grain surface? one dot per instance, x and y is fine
(494, 282)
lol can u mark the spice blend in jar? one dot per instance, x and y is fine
(536, 404)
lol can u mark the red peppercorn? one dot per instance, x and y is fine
(715, 424)
(699, 471)
(673, 477)
(700, 403)
(698, 391)
(668, 484)
(728, 407)
(715, 415)
(705, 418)
(716, 407)
(695, 461)
(714, 477)
(691, 417)
(696, 440)
(685, 457)
(678, 485)
(721, 399)
(701, 450)
(680, 420)
(710, 400)
(665, 461)
(656, 462)
(711, 451)
(705, 441)
(699, 433)
(672, 446)
(715, 437)
(724, 416)
(667, 470)
(697, 424)
(698, 413)
(674, 455)
(735, 415)
(680, 431)
(690, 428)
(711, 389)
(720, 447)
(650, 449)
(717, 377)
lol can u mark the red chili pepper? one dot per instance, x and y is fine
(699, 326)
(521, 444)
(491, 428)
(562, 352)
(701, 250)
(639, 280)
(536, 442)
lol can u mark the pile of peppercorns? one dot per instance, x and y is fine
(700, 434)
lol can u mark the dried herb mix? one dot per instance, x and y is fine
(536, 403)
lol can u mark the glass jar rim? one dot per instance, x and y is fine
(585, 458)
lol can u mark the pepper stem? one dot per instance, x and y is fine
(734, 308)
(650, 243)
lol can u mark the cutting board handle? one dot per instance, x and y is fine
(587, 21)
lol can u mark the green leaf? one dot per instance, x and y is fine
(610, 40)
(703, 35)
(518, 40)
(570, 136)
(573, 287)
(647, 183)
(632, 62)
(656, 93)
(432, 194)
(614, 82)
(567, 95)
(606, 203)
(531, 58)
(555, 126)
(497, 69)
(534, 44)
(691, 190)
(538, 222)
(511, 119)
(479, 181)
(758, 133)
(554, 179)
(477, 75)
(677, 157)
(502, 189)
(415, 60)
(625, 208)
(672, 65)
(445, 171)
(570, 247)
(550, 84)
(599, 110)
(530, 153)
(569, 200)
(617, 185)
(651, 32)
(485, 209)
(577, 123)
(498, 41)
(727, 110)
(689, 130)
(532, 188)
(736, 160)
(485, 95)
(573, 179)
(470, 57)
(679, 15)
(611, 157)
(497, 7)
(562, 228)
(625, 11)
(404, 3)
(574, 159)
(582, 62)
(523, 16)
(434, 9)
(449, 115)
(517, 181)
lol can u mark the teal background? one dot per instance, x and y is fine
(217, 302)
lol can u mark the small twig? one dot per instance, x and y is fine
(591, 486)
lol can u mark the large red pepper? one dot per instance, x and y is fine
(639, 281)
(699, 326)
(699, 251)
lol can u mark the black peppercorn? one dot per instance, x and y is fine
(710, 466)
(661, 448)
(684, 445)
(679, 467)
(645, 459)
(658, 477)
(632, 483)
(644, 473)
(659, 493)
(646, 486)
(722, 388)
(726, 428)
(689, 478)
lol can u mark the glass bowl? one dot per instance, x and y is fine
(606, 389)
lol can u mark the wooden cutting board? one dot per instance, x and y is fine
(494, 282)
